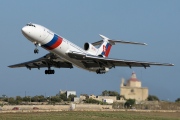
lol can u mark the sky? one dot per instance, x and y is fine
(154, 22)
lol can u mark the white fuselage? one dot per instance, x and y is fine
(53, 43)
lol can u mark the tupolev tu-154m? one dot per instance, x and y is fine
(65, 54)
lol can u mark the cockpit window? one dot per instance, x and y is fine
(30, 24)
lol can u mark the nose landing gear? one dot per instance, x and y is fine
(36, 50)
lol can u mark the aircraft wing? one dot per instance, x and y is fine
(49, 60)
(96, 61)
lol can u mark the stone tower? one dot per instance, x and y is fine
(133, 89)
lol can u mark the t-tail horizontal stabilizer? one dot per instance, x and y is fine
(113, 42)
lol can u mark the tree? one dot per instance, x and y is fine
(27, 99)
(40, 98)
(105, 93)
(109, 93)
(34, 99)
(55, 99)
(153, 98)
(63, 97)
(11, 101)
(129, 103)
(71, 97)
(90, 100)
(177, 100)
(113, 93)
(18, 100)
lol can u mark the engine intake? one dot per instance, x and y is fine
(90, 48)
(86, 46)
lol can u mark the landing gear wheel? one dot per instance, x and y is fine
(36, 51)
(49, 72)
(46, 71)
(53, 71)
(100, 71)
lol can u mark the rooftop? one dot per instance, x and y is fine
(134, 78)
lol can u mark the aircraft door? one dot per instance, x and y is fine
(43, 34)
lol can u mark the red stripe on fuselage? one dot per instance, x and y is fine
(56, 44)
(108, 50)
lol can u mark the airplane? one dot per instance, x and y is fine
(65, 54)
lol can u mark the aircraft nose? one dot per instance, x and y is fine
(25, 30)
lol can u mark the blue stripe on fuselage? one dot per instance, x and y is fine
(53, 41)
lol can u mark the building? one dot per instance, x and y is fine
(77, 100)
(102, 98)
(133, 90)
(71, 93)
(107, 99)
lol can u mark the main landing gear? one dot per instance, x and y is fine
(100, 71)
(49, 71)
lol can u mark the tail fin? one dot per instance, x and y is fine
(105, 47)
(107, 43)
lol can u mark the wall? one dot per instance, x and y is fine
(58, 107)
(139, 94)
